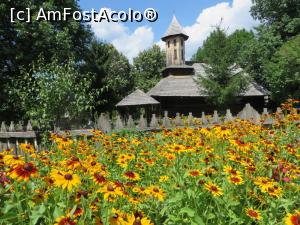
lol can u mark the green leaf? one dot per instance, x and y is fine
(199, 220)
(57, 212)
(190, 212)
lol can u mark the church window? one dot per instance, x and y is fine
(175, 54)
(175, 42)
(168, 44)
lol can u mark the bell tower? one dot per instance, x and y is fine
(175, 39)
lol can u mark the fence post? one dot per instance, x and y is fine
(190, 119)
(119, 123)
(216, 119)
(29, 127)
(3, 127)
(11, 127)
(142, 123)
(228, 116)
(166, 121)
(203, 119)
(178, 120)
(154, 122)
(130, 122)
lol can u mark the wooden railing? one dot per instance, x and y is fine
(11, 136)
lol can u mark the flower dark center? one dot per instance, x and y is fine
(253, 213)
(28, 167)
(68, 176)
(130, 174)
(155, 190)
(110, 188)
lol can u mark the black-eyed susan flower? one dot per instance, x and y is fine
(194, 173)
(214, 189)
(236, 180)
(65, 220)
(263, 182)
(27, 148)
(98, 178)
(110, 191)
(12, 160)
(23, 171)
(131, 175)
(163, 179)
(230, 171)
(65, 180)
(133, 220)
(156, 192)
(253, 214)
(292, 218)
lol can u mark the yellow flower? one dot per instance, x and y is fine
(65, 220)
(292, 219)
(28, 148)
(214, 189)
(156, 192)
(65, 180)
(237, 180)
(132, 220)
(12, 160)
(253, 214)
(23, 171)
(194, 173)
(163, 178)
(110, 191)
(131, 175)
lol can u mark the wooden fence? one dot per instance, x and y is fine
(11, 136)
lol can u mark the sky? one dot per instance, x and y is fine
(197, 17)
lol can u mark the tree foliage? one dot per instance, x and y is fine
(147, 67)
(284, 71)
(25, 43)
(283, 16)
(257, 53)
(50, 92)
(222, 84)
(111, 74)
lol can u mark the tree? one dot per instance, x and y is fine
(282, 15)
(147, 67)
(25, 43)
(236, 42)
(111, 74)
(283, 71)
(258, 52)
(220, 82)
(50, 92)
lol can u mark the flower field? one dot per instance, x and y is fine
(236, 173)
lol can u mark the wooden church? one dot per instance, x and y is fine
(179, 91)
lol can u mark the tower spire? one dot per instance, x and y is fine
(175, 39)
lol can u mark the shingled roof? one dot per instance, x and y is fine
(174, 29)
(187, 86)
(137, 97)
(183, 86)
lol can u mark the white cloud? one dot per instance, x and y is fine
(234, 16)
(131, 44)
(127, 42)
